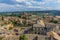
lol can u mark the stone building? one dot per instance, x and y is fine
(38, 37)
(38, 29)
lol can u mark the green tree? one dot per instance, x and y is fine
(53, 21)
(10, 28)
(2, 18)
(23, 37)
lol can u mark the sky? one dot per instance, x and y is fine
(29, 5)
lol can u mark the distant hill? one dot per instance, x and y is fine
(50, 12)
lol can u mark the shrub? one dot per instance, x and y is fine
(23, 37)
(10, 28)
(53, 21)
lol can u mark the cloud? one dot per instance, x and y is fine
(58, 1)
(34, 7)
(20, 5)
(30, 2)
(41, 7)
(6, 7)
(26, 2)
(35, 2)
(20, 0)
